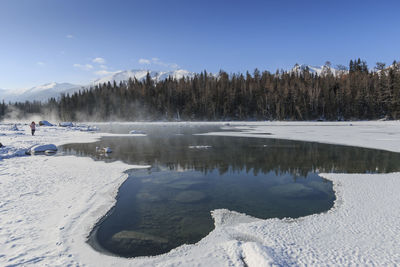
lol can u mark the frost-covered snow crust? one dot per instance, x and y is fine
(48, 206)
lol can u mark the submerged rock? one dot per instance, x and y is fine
(190, 196)
(184, 183)
(291, 190)
(146, 196)
(162, 179)
(138, 238)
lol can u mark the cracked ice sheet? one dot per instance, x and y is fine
(49, 205)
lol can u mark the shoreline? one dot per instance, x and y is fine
(226, 243)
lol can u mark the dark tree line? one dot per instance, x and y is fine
(354, 94)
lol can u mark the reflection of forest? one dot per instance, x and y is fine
(238, 154)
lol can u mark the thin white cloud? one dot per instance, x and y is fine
(174, 66)
(103, 66)
(104, 72)
(99, 60)
(70, 36)
(144, 61)
(157, 61)
(83, 66)
(165, 64)
(40, 63)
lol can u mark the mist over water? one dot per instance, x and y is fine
(15, 115)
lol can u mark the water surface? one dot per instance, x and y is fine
(169, 204)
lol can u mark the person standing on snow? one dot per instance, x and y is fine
(33, 127)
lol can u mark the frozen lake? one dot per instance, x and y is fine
(169, 205)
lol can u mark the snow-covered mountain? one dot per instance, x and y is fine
(395, 65)
(39, 93)
(141, 75)
(46, 91)
(319, 70)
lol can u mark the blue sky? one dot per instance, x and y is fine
(78, 40)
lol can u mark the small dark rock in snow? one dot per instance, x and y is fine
(45, 123)
(137, 132)
(14, 128)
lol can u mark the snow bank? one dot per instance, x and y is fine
(66, 124)
(47, 213)
(42, 148)
(16, 143)
(371, 134)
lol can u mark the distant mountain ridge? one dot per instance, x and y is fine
(140, 75)
(319, 70)
(39, 93)
(54, 89)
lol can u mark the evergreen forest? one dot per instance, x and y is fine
(352, 93)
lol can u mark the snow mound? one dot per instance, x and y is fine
(88, 128)
(66, 124)
(255, 254)
(42, 148)
(224, 217)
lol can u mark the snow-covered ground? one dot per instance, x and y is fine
(49, 204)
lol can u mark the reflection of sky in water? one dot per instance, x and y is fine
(169, 205)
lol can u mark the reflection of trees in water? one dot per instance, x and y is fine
(241, 154)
